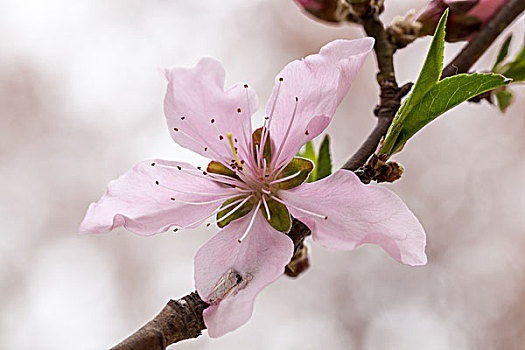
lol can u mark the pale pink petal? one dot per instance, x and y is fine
(261, 256)
(136, 202)
(196, 97)
(319, 82)
(358, 214)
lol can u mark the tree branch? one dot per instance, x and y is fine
(481, 42)
(390, 94)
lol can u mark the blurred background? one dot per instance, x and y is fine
(81, 102)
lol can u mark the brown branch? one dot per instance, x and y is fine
(481, 42)
(182, 319)
(390, 94)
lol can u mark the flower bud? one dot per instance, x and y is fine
(326, 10)
(465, 19)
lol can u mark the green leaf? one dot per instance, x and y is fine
(504, 98)
(431, 71)
(443, 96)
(279, 215)
(503, 52)
(324, 160)
(428, 77)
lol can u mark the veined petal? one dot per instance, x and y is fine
(358, 214)
(200, 112)
(319, 82)
(151, 197)
(259, 260)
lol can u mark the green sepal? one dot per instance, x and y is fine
(302, 165)
(280, 218)
(324, 160)
(221, 169)
(239, 213)
(267, 150)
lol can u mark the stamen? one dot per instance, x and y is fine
(201, 142)
(268, 217)
(234, 209)
(285, 178)
(204, 175)
(229, 205)
(190, 192)
(234, 150)
(251, 222)
(300, 209)
(208, 202)
(266, 130)
(283, 141)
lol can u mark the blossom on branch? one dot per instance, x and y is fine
(255, 183)
(466, 17)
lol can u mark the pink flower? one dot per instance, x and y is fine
(255, 181)
(466, 17)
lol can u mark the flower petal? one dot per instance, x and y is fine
(138, 203)
(358, 214)
(319, 82)
(260, 259)
(200, 113)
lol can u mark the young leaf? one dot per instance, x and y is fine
(324, 159)
(309, 153)
(503, 52)
(504, 98)
(515, 69)
(443, 96)
(428, 77)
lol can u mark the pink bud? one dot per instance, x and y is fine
(465, 19)
(325, 10)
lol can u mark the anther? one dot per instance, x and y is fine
(182, 118)
(281, 79)
(296, 98)
(236, 140)
(153, 164)
(205, 149)
(156, 182)
(212, 120)
(238, 110)
(176, 129)
(221, 137)
(204, 173)
(200, 168)
(306, 132)
(175, 229)
(172, 198)
(208, 224)
(245, 86)
(179, 167)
